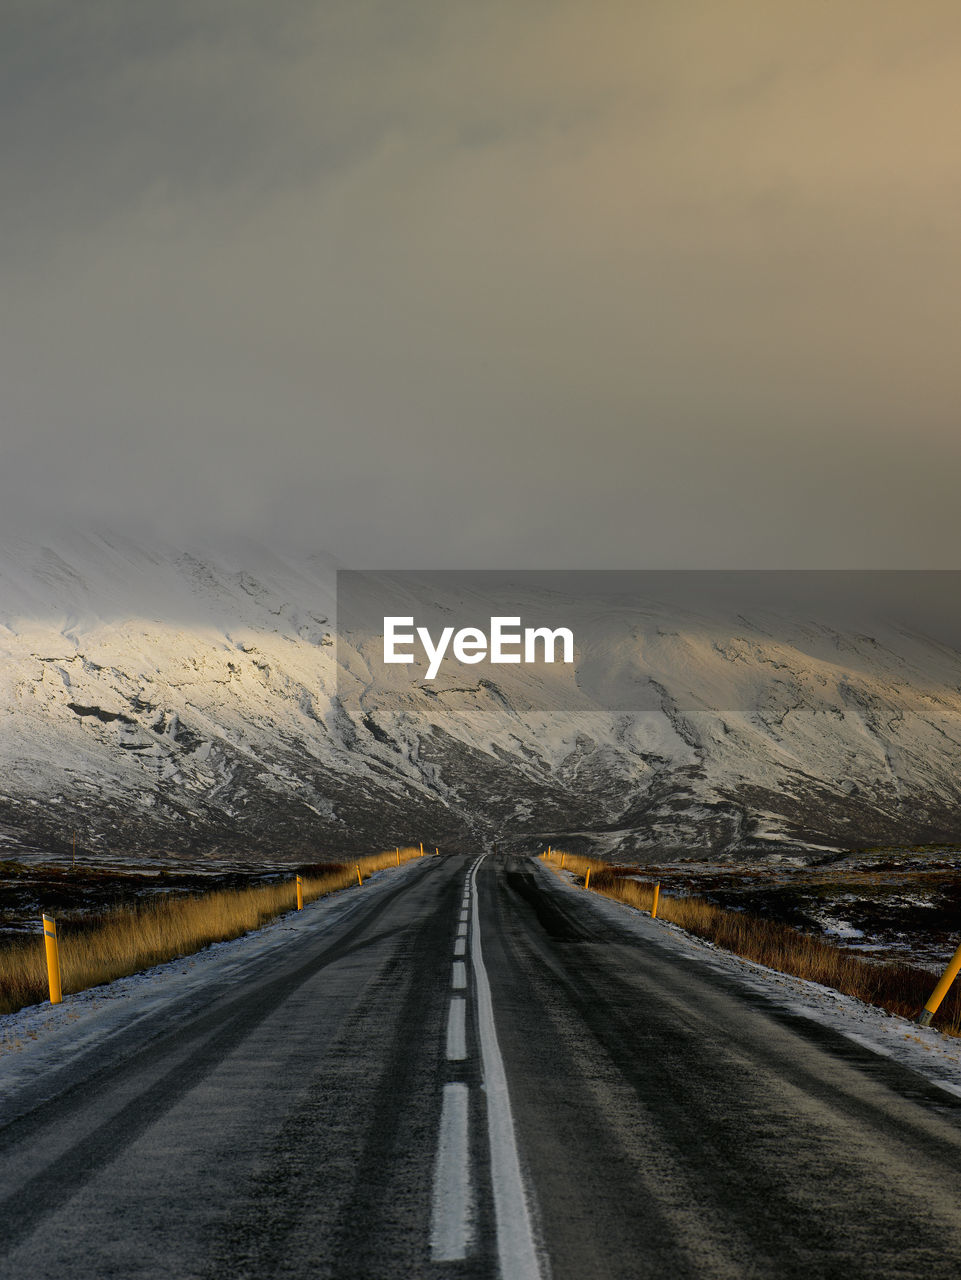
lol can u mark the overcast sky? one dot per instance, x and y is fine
(549, 284)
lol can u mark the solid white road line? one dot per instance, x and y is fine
(460, 946)
(456, 1032)
(515, 1237)
(451, 1219)
(458, 978)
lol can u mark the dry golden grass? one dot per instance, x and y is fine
(129, 939)
(898, 988)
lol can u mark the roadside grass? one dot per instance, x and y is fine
(896, 987)
(117, 943)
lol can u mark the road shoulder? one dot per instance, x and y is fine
(936, 1057)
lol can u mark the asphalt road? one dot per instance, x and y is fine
(473, 1075)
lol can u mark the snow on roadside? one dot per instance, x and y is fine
(932, 1055)
(45, 1037)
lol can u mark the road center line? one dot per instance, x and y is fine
(456, 1030)
(458, 978)
(451, 1220)
(516, 1251)
(460, 946)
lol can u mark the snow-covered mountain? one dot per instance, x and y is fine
(164, 702)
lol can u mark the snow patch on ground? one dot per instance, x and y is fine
(839, 928)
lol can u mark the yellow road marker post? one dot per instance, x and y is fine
(360, 878)
(940, 991)
(421, 848)
(300, 894)
(563, 856)
(587, 879)
(657, 894)
(436, 852)
(397, 851)
(53, 958)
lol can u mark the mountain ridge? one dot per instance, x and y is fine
(194, 703)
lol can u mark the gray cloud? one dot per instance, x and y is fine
(472, 284)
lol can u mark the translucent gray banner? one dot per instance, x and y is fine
(557, 641)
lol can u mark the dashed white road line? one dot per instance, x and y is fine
(456, 1030)
(452, 1216)
(451, 1234)
(516, 1250)
(451, 1220)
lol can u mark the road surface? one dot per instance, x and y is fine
(473, 1074)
